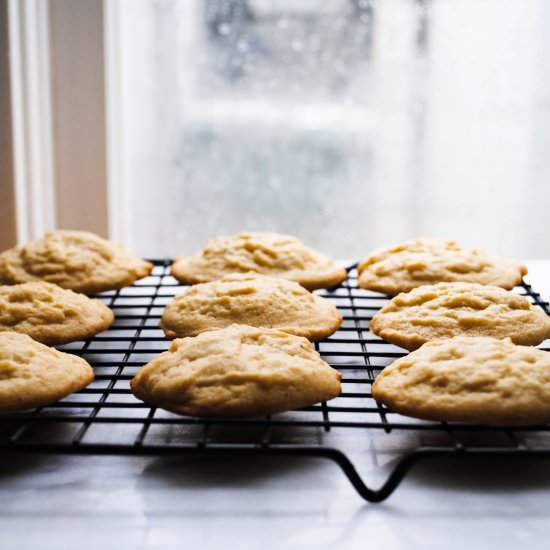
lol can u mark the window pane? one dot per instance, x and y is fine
(350, 124)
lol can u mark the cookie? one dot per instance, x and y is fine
(427, 261)
(444, 310)
(237, 371)
(264, 253)
(253, 300)
(77, 260)
(481, 380)
(34, 375)
(51, 314)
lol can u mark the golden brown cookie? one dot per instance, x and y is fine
(480, 380)
(265, 253)
(237, 371)
(253, 300)
(77, 260)
(51, 314)
(34, 375)
(444, 310)
(425, 261)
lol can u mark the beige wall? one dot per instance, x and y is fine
(80, 165)
(7, 196)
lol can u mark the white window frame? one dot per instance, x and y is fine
(117, 185)
(30, 88)
(58, 131)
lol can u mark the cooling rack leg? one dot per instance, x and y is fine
(408, 461)
(389, 486)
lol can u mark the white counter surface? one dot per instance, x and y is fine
(81, 502)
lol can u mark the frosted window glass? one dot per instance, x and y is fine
(350, 124)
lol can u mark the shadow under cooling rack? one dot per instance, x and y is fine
(105, 417)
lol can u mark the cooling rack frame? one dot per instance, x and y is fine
(64, 427)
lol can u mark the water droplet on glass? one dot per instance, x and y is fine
(297, 45)
(282, 23)
(224, 29)
(242, 45)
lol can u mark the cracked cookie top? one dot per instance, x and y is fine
(51, 314)
(237, 371)
(264, 253)
(253, 300)
(426, 261)
(444, 310)
(481, 380)
(34, 375)
(76, 260)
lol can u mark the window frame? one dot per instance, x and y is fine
(55, 165)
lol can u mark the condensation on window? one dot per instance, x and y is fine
(351, 124)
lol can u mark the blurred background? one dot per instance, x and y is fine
(350, 124)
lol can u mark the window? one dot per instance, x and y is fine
(351, 124)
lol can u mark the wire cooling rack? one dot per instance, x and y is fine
(105, 418)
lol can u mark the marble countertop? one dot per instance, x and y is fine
(82, 502)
